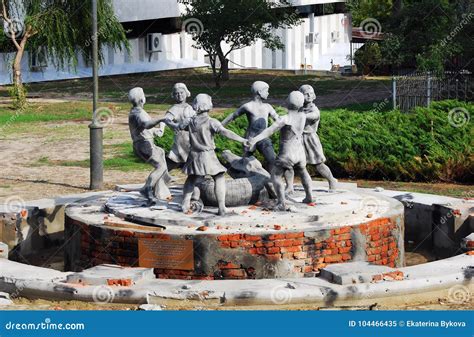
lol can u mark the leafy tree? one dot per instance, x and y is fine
(427, 34)
(368, 57)
(365, 9)
(221, 26)
(63, 27)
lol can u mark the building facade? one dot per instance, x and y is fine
(159, 41)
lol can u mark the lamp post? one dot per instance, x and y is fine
(96, 129)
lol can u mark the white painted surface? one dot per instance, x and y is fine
(178, 51)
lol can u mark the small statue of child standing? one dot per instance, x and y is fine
(140, 124)
(202, 160)
(291, 155)
(177, 115)
(312, 143)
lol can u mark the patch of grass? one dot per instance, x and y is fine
(452, 190)
(158, 85)
(123, 160)
(57, 112)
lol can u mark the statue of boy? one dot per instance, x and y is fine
(202, 159)
(140, 124)
(312, 144)
(291, 155)
(257, 112)
(178, 114)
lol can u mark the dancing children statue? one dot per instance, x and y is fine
(202, 160)
(178, 114)
(291, 155)
(140, 124)
(258, 112)
(312, 144)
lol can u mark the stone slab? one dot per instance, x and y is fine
(111, 275)
(352, 272)
(342, 207)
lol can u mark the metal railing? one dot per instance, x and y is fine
(420, 89)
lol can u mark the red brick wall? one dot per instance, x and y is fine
(381, 247)
(306, 254)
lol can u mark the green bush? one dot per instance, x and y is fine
(373, 144)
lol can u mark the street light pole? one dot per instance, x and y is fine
(96, 129)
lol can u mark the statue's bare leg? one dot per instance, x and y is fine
(188, 190)
(277, 178)
(326, 173)
(152, 181)
(290, 181)
(268, 153)
(171, 166)
(220, 190)
(306, 181)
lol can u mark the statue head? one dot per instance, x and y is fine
(202, 103)
(295, 100)
(261, 89)
(308, 92)
(180, 92)
(136, 96)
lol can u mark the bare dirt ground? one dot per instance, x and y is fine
(435, 304)
(23, 174)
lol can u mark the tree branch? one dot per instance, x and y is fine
(4, 12)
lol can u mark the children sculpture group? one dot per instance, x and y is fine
(193, 149)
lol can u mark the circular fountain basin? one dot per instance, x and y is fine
(252, 242)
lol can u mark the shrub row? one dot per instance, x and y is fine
(429, 144)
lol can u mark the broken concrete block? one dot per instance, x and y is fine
(3, 251)
(5, 299)
(111, 275)
(467, 243)
(150, 307)
(353, 272)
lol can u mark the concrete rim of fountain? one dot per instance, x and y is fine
(451, 276)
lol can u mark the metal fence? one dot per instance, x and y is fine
(420, 89)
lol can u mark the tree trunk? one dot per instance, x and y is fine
(225, 69)
(397, 7)
(17, 68)
(19, 92)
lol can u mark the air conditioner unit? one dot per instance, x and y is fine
(335, 36)
(312, 38)
(154, 42)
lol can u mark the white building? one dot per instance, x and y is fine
(321, 40)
